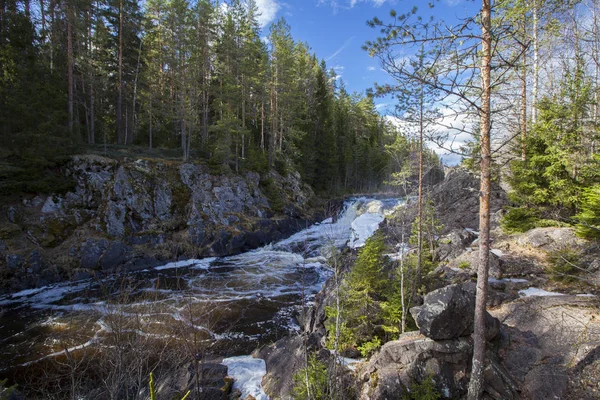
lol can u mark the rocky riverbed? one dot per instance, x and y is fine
(129, 215)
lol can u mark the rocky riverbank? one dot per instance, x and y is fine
(543, 329)
(134, 214)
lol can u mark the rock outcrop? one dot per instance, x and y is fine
(448, 313)
(442, 352)
(456, 200)
(129, 215)
(551, 346)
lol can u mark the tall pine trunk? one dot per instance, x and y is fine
(120, 78)
(536, 62)
(476, 383)
(70, 64)
(524, 94)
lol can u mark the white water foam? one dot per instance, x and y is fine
(247, 373)
(196, 264)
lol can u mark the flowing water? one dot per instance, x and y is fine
(237, 302)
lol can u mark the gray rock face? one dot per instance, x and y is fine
(454, 244)
(546, 382)
(91, 251)
(52, 205)
(457, 199)
(145, 210)
(448, 313)
(550, 342)
(549, 238)
(470, 260)
(14, 261)
(412, 358)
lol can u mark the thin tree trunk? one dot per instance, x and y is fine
(92, 114)
(120, 78)
(150, 123)
(536, 65)
(476, 383)
(43, 16)
(420, 199)
(92, 138)
(262, 124)
(135, 84)
(70, 64)
(51, 36)
(524, 97)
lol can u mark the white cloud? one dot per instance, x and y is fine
(450, 124)
(453, 3)
(268, 11)
(347, 4)
(371, 68)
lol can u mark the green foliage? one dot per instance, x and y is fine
(7, 392)
(519, 219)
(368, 348)
(367, 277)
(547, 185)
(272, 193)
(564, 263)
(316, 387)
(423, 391)
(589, 216)
(464, 265)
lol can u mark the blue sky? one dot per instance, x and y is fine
(336, 30)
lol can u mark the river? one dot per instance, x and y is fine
(226, 306)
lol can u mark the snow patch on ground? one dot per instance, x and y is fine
(512, 280)
(497, 252)
(247, 373)
(532, 291)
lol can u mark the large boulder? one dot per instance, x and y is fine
(457, 199)
(551, 346)
(409, 361)
(454, 244)
(469, 260)
(549, 238)
(448, 313)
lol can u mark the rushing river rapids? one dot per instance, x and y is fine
(231, 304)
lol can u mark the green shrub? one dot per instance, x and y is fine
(464, 265)
(589, 217)
(564, 263)
(273, 194)
(518, 220)
(423, 391)
(368, 348)
(7, 392)
(317, 381)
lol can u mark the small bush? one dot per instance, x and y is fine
(564, 264)
(423, 391)
(370, 347)
(518, 220)
(317, 381)
(589, 217)
(464, 265)
(273, 194)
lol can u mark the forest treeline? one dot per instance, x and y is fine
(193, 76)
